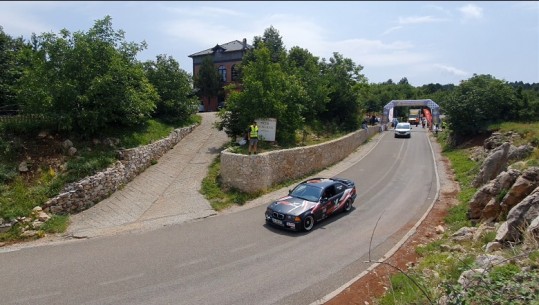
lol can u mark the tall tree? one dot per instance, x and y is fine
(343, 75)
(11, 69)
(173, 85)
(268, 92)
(272, 40)
(207, 81)
(476, 103)
(87, 81)
(307, 68)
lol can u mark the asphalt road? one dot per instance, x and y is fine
(234, 257)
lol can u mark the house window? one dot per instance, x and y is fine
(234, 73)
(222, 72)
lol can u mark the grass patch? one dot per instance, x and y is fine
(57, 224)
(431, 247)
(527, 131)
(404, 290)
(219, 197)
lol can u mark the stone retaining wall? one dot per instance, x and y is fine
(259, 172)
(81, 195)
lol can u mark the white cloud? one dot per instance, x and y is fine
(418, 20)
(451, 70)
(393, 29)
(471, 11)
(206, 33)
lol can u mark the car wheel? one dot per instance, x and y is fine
(308, 223)
(347, 206)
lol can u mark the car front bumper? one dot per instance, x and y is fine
(272, 218)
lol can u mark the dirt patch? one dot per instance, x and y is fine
(375, 283)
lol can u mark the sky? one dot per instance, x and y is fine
(424, 41)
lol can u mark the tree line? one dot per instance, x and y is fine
(91, 81)
(303, 91)
(88, 82)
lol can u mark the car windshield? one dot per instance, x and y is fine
(403, 126)
(307, 192)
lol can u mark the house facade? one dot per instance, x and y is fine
(226, 58)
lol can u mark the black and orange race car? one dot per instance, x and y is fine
(310, 202)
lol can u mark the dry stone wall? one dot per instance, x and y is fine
(85, 193)
(259, 172)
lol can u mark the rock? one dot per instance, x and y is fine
(470, 278)
(491, 210)
(463, 234)
(439, 229)
(495, 140)
(42, 135)
(67, 144)
(519, 217)
(485, 195)
(23, 167)
(495, 163)
(520, 153)
(533, 230)
(42, 216)
(482, 230)
(36, 224)
(522, 187)
(71, 151)
(4, 227)
(29, 233)
(487, 261)
(493, 246)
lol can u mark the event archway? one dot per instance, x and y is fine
(434, 108)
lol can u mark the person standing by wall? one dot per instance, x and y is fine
(253, 137)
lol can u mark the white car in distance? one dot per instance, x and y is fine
(403, 130)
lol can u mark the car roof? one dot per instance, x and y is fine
(320, 182)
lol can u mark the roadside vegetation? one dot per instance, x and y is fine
(442, 261)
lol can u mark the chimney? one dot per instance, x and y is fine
(244, 43)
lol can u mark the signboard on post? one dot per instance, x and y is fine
(267, 129)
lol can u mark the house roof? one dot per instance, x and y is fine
(232, 46)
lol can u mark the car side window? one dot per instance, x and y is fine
(339, 188)
(330, 191)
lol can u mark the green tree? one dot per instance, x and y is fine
(268, 92)
(87, 81)
(173, 85)
(208, 81)
(272, 40)
(344, 79)
(307, 68)
(476, 103)
(11, 69)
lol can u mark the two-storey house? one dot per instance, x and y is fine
(226, 58)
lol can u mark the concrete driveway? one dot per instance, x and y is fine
(164, 194)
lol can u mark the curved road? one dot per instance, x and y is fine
(234, 258)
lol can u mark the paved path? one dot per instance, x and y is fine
(165, 193)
